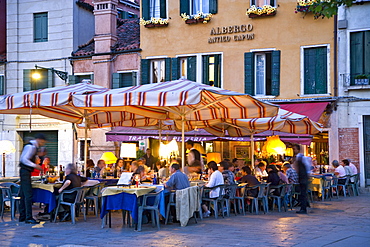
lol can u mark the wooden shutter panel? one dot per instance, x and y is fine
(205, 64)
(50, 78)
(184, 7)
(145, 71)
(175, 68)
(2, 85)
(44, 27)
(37, 35)
(249, 73)
(116, 78)
(217, 71)
(126, 80)
(27, 80)
(92, 78)
(167, 69)
(275, 73)
(145, 11)
(163, 9)
(192, 68)
(309, 68)
(213, 6)
(367, 52)
(356, 54)
(134, 78)
(71, 79)
(321, 77)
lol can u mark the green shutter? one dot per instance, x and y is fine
(40, 27)
(145, 9)
(356, 54)
(205, 64)
(27, 80)
(249, 73)
(163, 8)
(192, 68)
(272, 3)
(2, 86)
(175, 68)
(213, 6)
(321, 73)
(167, 69)
(275, 73)
(71, 79)
(309, 71)
(134, 78)
(315, 70)
(50, 81)
(116, 78)
(92, 78)
(217, 82)
(367, 53)
(184, 7)
(145, 71)
(126, 80)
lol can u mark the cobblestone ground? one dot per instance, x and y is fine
(340, 222)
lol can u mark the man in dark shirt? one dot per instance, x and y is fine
(250, 180)
(150, 160)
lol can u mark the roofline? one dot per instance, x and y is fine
(105, 53)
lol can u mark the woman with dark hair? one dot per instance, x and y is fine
(273, 176)
(228, 175)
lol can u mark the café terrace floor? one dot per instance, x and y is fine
(340, 222)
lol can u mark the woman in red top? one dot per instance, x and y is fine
(44, 166)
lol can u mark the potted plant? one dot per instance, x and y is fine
(266, 10)
(154, 22)
(304, 5)
(362, 79)
(198, 18)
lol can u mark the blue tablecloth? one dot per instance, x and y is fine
(44, 196)
(129, 202)
(108, 181)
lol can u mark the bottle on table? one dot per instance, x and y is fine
(61, 173)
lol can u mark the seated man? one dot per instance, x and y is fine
(99, 168)
(215, 178)
(339, 172)
(250, 180)
(291, 174)
(178, 180)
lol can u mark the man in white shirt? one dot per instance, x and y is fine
(215, 179)
(339, 172)
(353, 167)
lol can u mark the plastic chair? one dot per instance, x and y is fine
(237, 200)
(326, 187)
(14, 198)
(94, 195)
(280, 199)
(6, 196)
(354, 184)
(171, 202)
(333, 186)
(262, 196)
(153, 208)
(217, 200)
(345, 187)
(79, 201)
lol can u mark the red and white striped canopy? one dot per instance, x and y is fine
(180, 99)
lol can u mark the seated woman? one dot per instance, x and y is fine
(282, 175)
(250, 180)
(273, 178)
(215, 178)
(140, 171)
(229, 177)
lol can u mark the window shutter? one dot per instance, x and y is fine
(309, 74)
(321, 71)
(213, 6)
(27, 80)
(192, 68)
(126, 80)
(163, 9)
(44, 27)
(2, 86)
(50, 81)
(167, 69)
(71, 79)
(275, 73)
(145, 71)
(145, 11)
(205, 63)
(134, 78)
(249, 73)
(217, 75)
(184, 7)
(37, 36)
(116, 78)
(272, 3)
(175, 68)
(356, 54)
(92, 78)
(367, 52)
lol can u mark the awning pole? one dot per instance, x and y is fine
(183, 141)
(252, 151)
(85, 146)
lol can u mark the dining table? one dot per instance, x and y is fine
(45, 193)
(317, 182)
(128, 198)
(109, 181)
(9, 179)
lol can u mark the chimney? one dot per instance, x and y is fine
(105, 12)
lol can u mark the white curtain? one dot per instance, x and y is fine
(155, 10)
(260, 74)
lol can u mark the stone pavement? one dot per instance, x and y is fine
(340, 222)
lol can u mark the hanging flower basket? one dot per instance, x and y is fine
(303, 6)
(266, 10)
(198, 18)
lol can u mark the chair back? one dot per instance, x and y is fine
(262, 190)
(95, 190)
(327, 181)
(288, 189)
(14, 188)
(347, 180)
(335, 182)
(156, 199)
(80, 196)
(231, 190)
(355, 178)
(6, 194)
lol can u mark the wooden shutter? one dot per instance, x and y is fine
(2, 85)
(167, 69)
(275, 73)
(134, 78)
(175, 68)
(213, 6)
(249, 73)
(116, 78)
(163, 9)
(367, 52)
(356, 54)
(145, 71)
(71, 79)
(40, 27)
(50, 78)
(126, 80)
(205, 64)
(145, 9)
(184, 7)
(309, 68)
(92, 78)
(27, 80)
(217, 75)
(192, 68)
(321, 73)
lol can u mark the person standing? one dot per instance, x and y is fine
(193, 155)
(27, 164)
(302, 178)
(150, 160)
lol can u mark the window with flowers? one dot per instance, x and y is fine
(154, 13)
(261, 3)
(262, 8)
(199, 10)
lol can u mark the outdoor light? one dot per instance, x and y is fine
(109, 158)
(36, 75)
(289, 152)
(216, 157)
(274, 145)
(128, 150)
(6, 147)
(61, 74)
(167, 150)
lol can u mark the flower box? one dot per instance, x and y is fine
(251, 15)
(303, 9)
(155, 25)
(192, 21)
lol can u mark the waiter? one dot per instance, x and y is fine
(27, 164)
(150, 160)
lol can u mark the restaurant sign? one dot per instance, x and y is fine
(229, 33)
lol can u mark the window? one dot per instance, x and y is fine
(40, 27)
(183, 67)
(75, 79)
(199, 6)
(2, 84)
(359, 54)
(154, 8)
(193, 7)
(260, 3)
(212, 70)
(262, 73)
(124, 79)
(82, 149)
(315, 70)
(126, 15)
(44, 79)
(157, 71)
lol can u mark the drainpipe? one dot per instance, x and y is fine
(335, 56)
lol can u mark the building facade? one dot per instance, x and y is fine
(351, 121)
